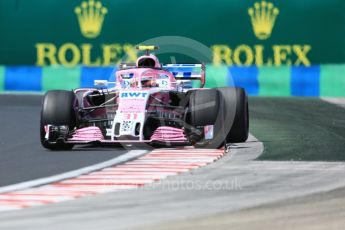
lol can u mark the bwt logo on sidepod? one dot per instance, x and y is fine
(133, 95)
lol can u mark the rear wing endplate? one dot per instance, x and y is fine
(187, 72)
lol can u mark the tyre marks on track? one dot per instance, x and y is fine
(154, 166)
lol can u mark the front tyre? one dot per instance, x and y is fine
(226, 109)
(203, 110)
(57, 110)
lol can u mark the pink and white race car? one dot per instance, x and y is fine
(148, 103)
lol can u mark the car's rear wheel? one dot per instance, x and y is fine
(57, 110)
(236, 114)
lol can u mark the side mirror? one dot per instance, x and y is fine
(101, 83)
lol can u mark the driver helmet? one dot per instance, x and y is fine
(148, 82)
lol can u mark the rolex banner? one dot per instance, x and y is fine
(269, 47)
(239, 32)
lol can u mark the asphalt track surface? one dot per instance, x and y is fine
(323, 211)
(21, 156)
(299, 129)
(232, 183)
(248, 183)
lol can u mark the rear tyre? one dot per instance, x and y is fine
(236, 114)
(57, 110)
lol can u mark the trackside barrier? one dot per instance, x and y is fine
(319, 80)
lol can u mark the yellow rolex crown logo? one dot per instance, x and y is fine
(90, 17)
(263, 16)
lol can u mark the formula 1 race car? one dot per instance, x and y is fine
(148, 103)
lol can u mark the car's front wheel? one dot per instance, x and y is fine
(223, 109)
(57, 110)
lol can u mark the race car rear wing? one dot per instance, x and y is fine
(187, 72)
